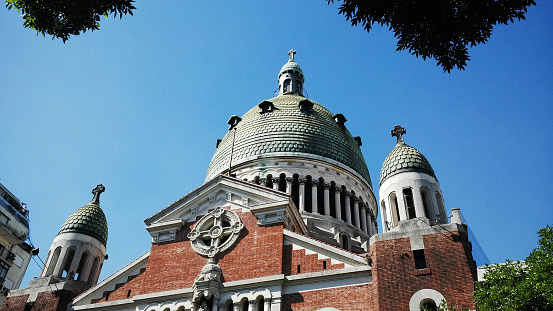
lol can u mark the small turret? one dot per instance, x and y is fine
(290, 78)
(78, 250)
(408, 186)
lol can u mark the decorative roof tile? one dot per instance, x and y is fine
(89, 220)
(288, 129)
(404, 158)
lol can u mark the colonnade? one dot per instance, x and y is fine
(325, 198)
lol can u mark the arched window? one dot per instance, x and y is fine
(298, 88)
(53, 261)
(409, 203)
(287, 86)
(394, 209)
(441, 207)
(429, 305)
(260, 303)
(344, 241)
(427, 203)
(82, 264)
(93, 272)
(67, 264)
(244, 306)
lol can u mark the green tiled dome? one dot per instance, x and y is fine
(89, 220)
(286, 130)
(404, 158)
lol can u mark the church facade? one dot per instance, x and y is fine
(286, 220)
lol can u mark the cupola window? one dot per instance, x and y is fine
(287, 86)
(409, 203)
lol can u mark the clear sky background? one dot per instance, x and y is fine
(138, 106)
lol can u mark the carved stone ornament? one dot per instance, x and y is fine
(215, 232)
(207, 283)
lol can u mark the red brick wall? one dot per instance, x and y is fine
(350, 298)
(451, 271)
(45, 301)
(175, 265)
(308, 263)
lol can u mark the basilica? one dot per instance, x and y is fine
(285, 220)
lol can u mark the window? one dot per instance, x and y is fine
(420, 260)
(425, 202)
(287, 86)
(441, 207)
(394, 209)
(429, 304)
(324, 264)
(344, 241)
(3, 271)
(409, 203)
(4, 219)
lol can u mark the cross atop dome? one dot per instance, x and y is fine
(97, 191)
(398, 132)
(292, 52)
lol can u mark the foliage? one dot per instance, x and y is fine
(63, 18)
(439, 29)
(520, 286)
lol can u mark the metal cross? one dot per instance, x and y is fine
(398, 131)
(292, 53)
(97, 191)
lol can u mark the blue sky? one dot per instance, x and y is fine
(139, 105)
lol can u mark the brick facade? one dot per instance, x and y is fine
(175, 264)
(350, 298)
(450, 270)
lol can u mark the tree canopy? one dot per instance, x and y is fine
(63, 18)
(522, 285)
(438, 29)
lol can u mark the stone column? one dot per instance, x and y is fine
(337, 204)
(236, 306)
(364, 217)
(263, 182)
(301, 195)
(250, 305)
(326, 197)
(370, 222)
(356, 220)
(276, 181)
(289, 185)
(314, 208)
(419, 205)
(347, 207)
(267, 302)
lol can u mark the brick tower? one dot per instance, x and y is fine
(420, 259)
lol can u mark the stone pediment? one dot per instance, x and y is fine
(268, 205)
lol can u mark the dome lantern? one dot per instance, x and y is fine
(290, 78)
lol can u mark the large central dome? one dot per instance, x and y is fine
(286, 130)
(293, 144)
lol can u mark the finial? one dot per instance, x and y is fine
(96, 191)
(292, 53)
(398, 131)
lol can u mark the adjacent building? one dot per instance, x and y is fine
(15, 253)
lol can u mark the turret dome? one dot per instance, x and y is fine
(89, 220)
(404, 158)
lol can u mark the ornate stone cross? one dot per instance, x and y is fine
(292, 53)
(398, 131)
(97, 191)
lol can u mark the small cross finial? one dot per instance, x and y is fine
(292, 53)
(398, 131)
(97, 191)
